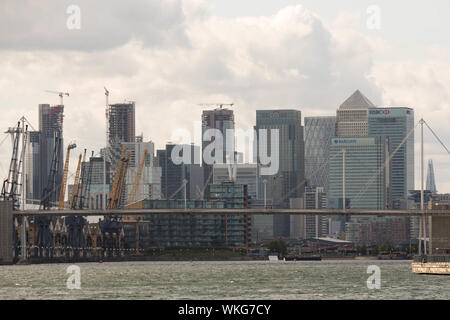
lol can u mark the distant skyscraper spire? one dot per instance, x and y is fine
(431, 183)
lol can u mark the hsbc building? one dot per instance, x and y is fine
(396, 123)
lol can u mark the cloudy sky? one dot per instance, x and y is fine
(169, 56)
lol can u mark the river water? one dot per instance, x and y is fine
(222, 280)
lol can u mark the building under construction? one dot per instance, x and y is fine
(220, 119)
(122, 122)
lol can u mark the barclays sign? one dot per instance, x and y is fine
(346, 141)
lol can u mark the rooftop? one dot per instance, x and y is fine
(357, 101)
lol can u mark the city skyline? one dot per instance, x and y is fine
(134, 66)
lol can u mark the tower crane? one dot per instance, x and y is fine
(82, 183)
(106, 113)
(137, 179)
(62, 191)
(60, 94)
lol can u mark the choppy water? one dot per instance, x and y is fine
(222, 280)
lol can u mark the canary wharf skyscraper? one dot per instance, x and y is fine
(396, 123)
(286, 183)
(318, 132)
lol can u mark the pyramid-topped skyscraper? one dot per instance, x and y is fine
(357, 101)
(351, 118)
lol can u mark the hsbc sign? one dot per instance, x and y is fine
(386, 112)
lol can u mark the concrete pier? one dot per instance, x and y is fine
(6, 232)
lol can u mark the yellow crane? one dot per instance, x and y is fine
(73, 198)
(62, 192)
(137, 180)
(119, 178)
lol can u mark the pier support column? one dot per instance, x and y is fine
(6, 232)
(440, 235)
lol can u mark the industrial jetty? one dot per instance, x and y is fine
(431, 264)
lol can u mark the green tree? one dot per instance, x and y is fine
(277, 246)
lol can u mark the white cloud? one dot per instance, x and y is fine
(424, 86)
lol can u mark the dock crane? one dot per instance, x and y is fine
(75, 224)
(60, 94)
(74, 197)
(44, 237)
(132, 196)
(119, 178)
(62, 191)
(9, 189)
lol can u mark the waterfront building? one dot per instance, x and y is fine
(364, 158)
(368, 231)
(310, 226)
(285, 184)
(396, 123)
(207, 230)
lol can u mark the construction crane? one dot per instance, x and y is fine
(62, 191)
(60, 94)
(44, 237)
(107, 114)
(49, 192)
(201, 193)
(132, 196)
(82, 183)
(119, 177)
(122, 179)
(220, 105)
(88, 181)
(183, 185)
(10, 184)
(73, 198)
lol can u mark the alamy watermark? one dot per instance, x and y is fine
(74, 280)
(73, 21)
(220, 148)
(373, 21)
(374, 280)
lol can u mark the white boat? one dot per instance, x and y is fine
(273, 257)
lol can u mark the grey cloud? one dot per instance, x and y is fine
(105, 24)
